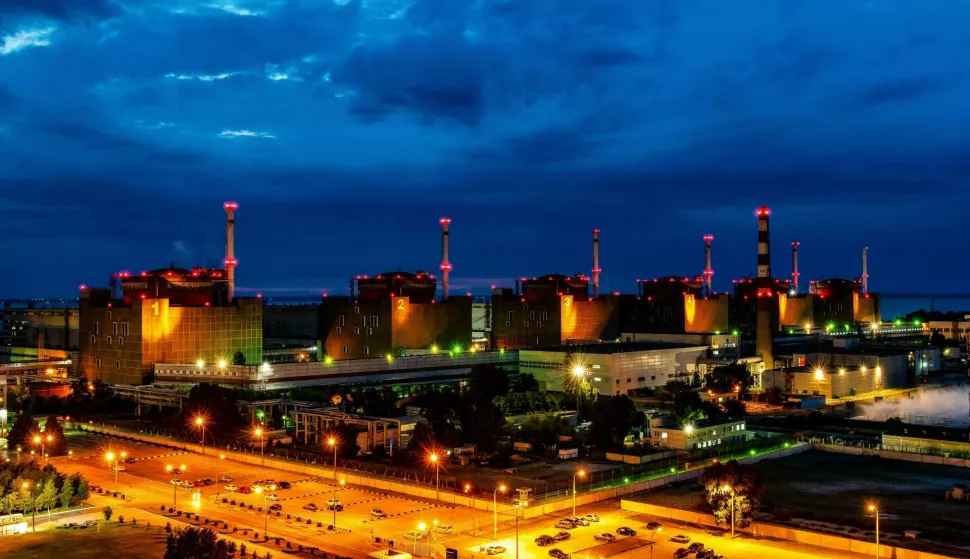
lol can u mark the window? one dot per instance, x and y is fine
(109, 315)
(526, 324)
(628, 380)
(114, 328)
(373, 321)
(663, 435)
(94, 340)
(370, 330)
(118, 364)
(515, 339)
(340, 320)
(345, 349)
(511, 315)
(617, 381)
(641, 379)
(125, 328)
(109, 340)
(356, 329)
(539, 324)
(532, 315)
(356, 310)
(537, 340)
(121, 341)
(96, 327)
(653, 377)
(97, 363)
(508, 323)
(366, 350)
(363, 321)
(340, 330)
(543, 315)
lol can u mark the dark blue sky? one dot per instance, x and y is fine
(345, 128)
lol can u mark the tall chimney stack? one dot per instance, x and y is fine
(445, 265)
(231, 261)
(596, 263)
(865, 271)
(708, 271)
(765, 293)
(794, 266)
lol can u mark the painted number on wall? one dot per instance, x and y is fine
(155, 307)
(400, 304)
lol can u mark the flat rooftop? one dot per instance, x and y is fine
(616, 347)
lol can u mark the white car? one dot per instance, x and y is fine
(378, 513)
(333, 502)
(177, 482)
(444, 528)
(272, 497)
(591, 518)
(224, 479)
(414, 535)
(229, 488)
(494, 549)
(680, 538)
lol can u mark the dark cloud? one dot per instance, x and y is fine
(896, 90)
(610, 57)
(60, 9)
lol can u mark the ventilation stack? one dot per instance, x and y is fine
(765, 294)
(231, 261)
(794, 267)
(596, 263)
(865, 271)
(445, 265)
(708, 271)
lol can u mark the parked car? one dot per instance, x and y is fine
(682, 553)
(626, 531)
(331, 502)
(605, 537)
(177, 482)
(716, 533)
(378, 513)
(412, 535)
(176, 471)
(580, 521)
(311, 507)
(653, 525)
(562, 536)
(229, 488)
(276, 507)
(207, 481)
(337, 508)
(284, 485)
(565, 524)
(680, 538)
(272, 497)
(245, 490)
(494, 549)
(592, 518)
(130, 460)
(224, 479)
(695, 547)
(544, 540)
(705, 554)
(444, 528)
(198, 483)
(558, 554)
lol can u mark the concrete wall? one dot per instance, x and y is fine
(782, 533)
(894, 455)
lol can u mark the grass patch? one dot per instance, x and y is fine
(114, 542)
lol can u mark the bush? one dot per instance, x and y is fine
(171, 510)
(162, 508)
(107, 512)
(121, 519)
(196, 517)
(288, 546)
(242, 550)
(134, 521)
(168, 527)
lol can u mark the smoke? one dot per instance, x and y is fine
(941, 405)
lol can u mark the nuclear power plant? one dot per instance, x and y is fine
(173, 319)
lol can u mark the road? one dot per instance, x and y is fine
(146, 485)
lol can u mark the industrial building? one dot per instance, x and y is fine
(698, 435)
(611, 368)
(838, 373)
(34, 324)
(168, 315)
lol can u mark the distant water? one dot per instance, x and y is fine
(891, 307)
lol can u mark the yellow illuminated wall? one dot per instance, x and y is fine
(706, 315)
(795, 311)
(595, 319)
(867, 309)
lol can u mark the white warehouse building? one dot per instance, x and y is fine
(612, 368)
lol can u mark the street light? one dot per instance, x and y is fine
(437, 486)
(169, 469)
(200, 423)
(517, 507)
(259, 433)
(874, 508)
(468, 489)
(42, 441)
(259, 490)
(727, 488)
(222, 457)
(421, 528)
(434, 552)
(333, 444)
(334, 504)
(33, 506)
(111, 457)
(580, 473)
(501, 488)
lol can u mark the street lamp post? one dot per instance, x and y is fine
(33, 506)
(437, 486)
(222, 457)
(729, 489)
(873, 508)
(495, 509)
(333, 444)
(580, 473)
(259, 433)
(200, 423)
(468, 488)
(517, 506)
(334, 505)
(169, 469)
(111, 457)
(259, 490)
(434, 551)
(42, 441)
(421, 528)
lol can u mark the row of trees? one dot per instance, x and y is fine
(25, 429)
(86, 398)
(732, 486)
(25, 486)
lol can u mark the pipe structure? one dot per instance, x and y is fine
(764, 243)
(794, 266)
(765, 293)
(865, 271)
(708, 271)
(596, 263)
(445, 265)
(231, 261)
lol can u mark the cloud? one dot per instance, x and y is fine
(244, 134)
(25, 38)
(202, 77)
(901, 89)
(60, 9)
(236, 10)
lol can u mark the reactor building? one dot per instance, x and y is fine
(169, 315)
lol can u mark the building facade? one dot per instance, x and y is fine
(699, 435)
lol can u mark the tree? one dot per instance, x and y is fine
(524, 382)
(774, 396)
(938, 339)
(729, 482)
(67, 494)
(195, 543)
(612, 417)
(58, 444)
(422, 438)
(517, 403)
(346, 436)
(486, 382)
(730, 378)
(238, 358)
(80, 486)
(48, 494)
(734, 409)
(216, 404)
(22, 429)
(675, 387)
(106, 512)
(688, 407)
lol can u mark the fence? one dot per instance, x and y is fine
(890, 453)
